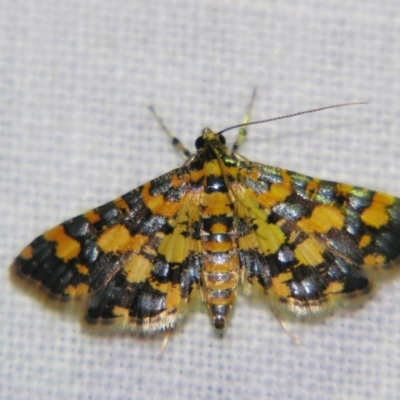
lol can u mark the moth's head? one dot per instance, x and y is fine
(208, 137)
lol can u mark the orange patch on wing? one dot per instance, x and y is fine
(120, 203)
(334, 287)
(364, 241)
(27, 253)
(275, 195)
(173, 299)
(269, 237)
(120, 311)
(92, 216)
(376, 215)
(372, 260)
(66, 247)
(175, 246)
(309, 252)
(82, 269)
(279, 285)
(322, 219)
(312, 187)
(344, 189)
(247, 242)
(138, 269)
(81, 289)
(158, 205)
(114, 239)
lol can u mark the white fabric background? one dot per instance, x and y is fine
(75, 80)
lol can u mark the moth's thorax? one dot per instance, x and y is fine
(213, 159)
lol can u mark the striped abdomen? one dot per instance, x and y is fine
(220, 275)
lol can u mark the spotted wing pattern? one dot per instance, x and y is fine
(202, 229)
(310, 243)
(132, 256)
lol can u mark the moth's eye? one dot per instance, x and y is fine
(222, 139)
(199, 143)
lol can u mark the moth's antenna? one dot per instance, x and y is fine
(175, 141)
(290, 115)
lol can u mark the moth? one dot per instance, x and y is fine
(203, 230)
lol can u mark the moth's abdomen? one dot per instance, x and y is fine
(220, 275)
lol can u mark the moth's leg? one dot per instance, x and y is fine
(290, 334)
(243, 130)
(175, 141)
(164, 343)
